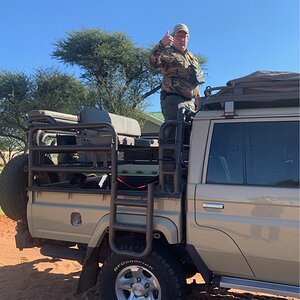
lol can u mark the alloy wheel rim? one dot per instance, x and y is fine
(136, 282)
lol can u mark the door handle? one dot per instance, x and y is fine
(213, 205)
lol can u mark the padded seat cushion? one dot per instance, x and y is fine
(123, 125)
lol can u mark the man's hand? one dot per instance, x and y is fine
(167, 40)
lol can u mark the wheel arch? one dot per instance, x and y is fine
(162, 225)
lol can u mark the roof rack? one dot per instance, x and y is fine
(257, 93)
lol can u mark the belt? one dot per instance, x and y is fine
(176, 94)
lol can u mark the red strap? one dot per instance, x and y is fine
(138, 187)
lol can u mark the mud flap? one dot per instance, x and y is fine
(90, 270)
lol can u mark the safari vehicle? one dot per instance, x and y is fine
(143, 215)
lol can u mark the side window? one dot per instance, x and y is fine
(272, 153)
(255, 153)
(225, 164)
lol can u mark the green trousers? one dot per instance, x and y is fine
(170, 106)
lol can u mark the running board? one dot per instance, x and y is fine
(260, 286)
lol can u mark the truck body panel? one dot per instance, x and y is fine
(81, 218)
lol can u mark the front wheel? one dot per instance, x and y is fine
(156, 277)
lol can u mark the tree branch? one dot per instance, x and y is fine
(13, 136)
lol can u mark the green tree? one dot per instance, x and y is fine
(15, 95)
(117, 68)
(57, 91)
(9, 147)
(46, 89)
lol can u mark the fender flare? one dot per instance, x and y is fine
(160, 224)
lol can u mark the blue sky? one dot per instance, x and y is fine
(237, 36)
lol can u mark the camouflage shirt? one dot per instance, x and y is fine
(181, 71)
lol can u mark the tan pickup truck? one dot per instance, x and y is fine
(143, 215)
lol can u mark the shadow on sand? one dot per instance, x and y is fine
(25, 281)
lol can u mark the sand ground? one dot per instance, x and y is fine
(29, 275)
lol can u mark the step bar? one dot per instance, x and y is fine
(260, 286)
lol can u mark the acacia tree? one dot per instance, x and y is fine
(112, 62)
(46, 89)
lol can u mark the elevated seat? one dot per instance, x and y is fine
(123, 125)
(128, 130)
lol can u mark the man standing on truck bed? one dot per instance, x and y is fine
(181, 72)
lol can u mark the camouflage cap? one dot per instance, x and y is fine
(180, 27)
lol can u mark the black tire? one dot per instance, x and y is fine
(158, 276)
(13, 184)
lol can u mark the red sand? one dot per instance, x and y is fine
(29, 275)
